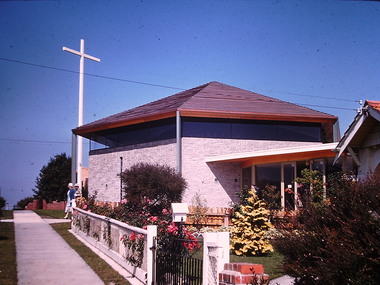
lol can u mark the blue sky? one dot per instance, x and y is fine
(312, 53)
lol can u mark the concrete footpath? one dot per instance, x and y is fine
(43, 257)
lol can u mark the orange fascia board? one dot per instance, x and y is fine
(288, 157)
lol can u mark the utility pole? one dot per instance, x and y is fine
(82, 55)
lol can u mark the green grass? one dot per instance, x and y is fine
(6, 214)
(50, 214)
(101, 268)
(8, 267)
(272, 263)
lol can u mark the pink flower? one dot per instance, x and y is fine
(172, 228)
(84, 207)
(140, 236)
(153, 218)
(132, 237)
(147, 200)
(124, 201)
(165, 212)
(145, 227)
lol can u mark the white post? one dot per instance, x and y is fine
(152, 233)
(219, 244)
(80, 105)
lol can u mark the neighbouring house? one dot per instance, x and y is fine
(218, 137)
(361, 141)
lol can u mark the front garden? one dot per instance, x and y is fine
(329, 240)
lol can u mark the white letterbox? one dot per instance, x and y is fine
(179, 212)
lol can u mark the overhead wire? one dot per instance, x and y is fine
(173, 87)
(89, 74)
(33, 141)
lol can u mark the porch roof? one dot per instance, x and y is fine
(278, 155)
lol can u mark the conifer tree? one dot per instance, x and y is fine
(250, 225)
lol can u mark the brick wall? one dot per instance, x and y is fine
(243, 274)
(105, 168)
(217, 183)
(36, 205)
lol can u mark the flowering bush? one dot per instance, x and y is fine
(336, 242)
(134, 245)
(141, 217)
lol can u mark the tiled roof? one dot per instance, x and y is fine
(215, 100)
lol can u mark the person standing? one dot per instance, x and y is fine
(78, 191)
(70, 198)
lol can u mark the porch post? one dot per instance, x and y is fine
(282, 187)
(179, 142)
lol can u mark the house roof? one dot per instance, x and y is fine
(278, 155)
(360, 128)
(211, 100)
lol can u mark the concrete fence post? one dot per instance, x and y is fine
(216, 252)
(152, 233)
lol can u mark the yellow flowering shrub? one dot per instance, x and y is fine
(250, 225)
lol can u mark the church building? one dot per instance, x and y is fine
(218, 137)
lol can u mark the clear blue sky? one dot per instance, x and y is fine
(313, 53)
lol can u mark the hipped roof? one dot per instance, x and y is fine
(211, 100)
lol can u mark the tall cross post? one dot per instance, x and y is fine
(80, 105)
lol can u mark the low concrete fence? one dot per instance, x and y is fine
(108, 235)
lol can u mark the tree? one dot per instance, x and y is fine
(160, 184)
(250, 226)
(24, 202)
(336, 241)
(3, 202)
(52, 181)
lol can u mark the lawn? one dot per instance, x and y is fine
(272, 263)
(8, 267)
(50, 214)
(6, 214)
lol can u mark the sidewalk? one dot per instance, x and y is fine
(43, 257)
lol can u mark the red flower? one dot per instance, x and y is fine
(172, 228)
(153, 218)
(132, 237)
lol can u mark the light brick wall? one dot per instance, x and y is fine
(218, 183)
(104, 169)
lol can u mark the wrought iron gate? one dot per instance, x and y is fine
(178, 261)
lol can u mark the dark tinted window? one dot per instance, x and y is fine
(245, 129)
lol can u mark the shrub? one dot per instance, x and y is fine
(336, 241)
(250, 225)
(272, 197)
(24, 202)
(159, 184)
(198, 215)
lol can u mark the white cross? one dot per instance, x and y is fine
(80, 107)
